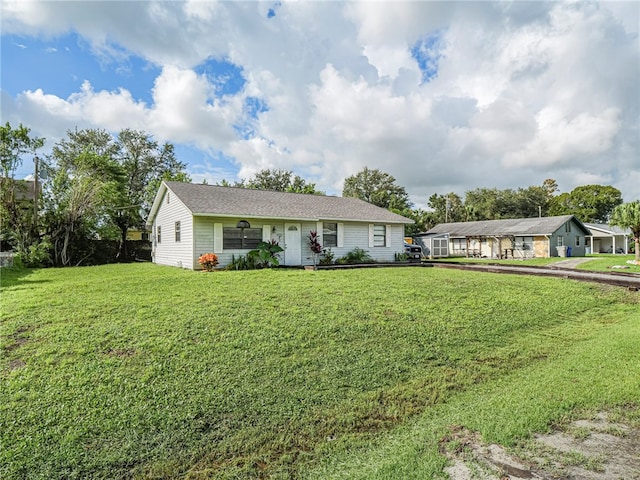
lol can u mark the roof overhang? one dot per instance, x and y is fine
(298, 219)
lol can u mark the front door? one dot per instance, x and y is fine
(292, 244)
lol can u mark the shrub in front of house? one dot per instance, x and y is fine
(208, 261)
(327, 257)
(355, 256)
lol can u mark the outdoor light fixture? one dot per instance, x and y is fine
(243, 224)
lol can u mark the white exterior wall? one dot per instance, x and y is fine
(357, 235)
(209, 231)
(168, 251)
(351, 235)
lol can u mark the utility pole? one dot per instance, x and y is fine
(446, 209)
(36, 160)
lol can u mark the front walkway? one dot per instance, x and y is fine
(570, 262)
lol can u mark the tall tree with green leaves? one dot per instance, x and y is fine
(101, 184)
(378, 188)
(145, 164)
(447, 208)
(493, 204)
(277, 180)
(84, 185)
(18, 199)
(589, 203)
(627, 215)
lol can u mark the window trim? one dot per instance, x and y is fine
(329, 240)
(245, 243)
(177, 231)
(378, 236)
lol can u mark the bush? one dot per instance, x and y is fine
(355, 256)
(401, 257)
(242, 262)
(208, 261)
(266, 255)
(327, 257)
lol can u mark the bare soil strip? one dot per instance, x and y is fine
(588, 449)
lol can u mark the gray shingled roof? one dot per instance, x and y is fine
(609, 229)
(243, 202)
(516, 226)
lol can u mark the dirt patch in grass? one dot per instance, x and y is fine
(598, 448)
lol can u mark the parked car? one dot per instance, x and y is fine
(618, 250)
(414, 252)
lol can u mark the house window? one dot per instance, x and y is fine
(523, 243)
(567, 227)
(168, 195)
(234, 238)
(329, 234)
(458, 245)
(159, 234)
(560, 241)
(177, 230)
(379, 235)
(577, 241)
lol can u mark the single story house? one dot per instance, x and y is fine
(509, 238)
(607, 239)
(188, 220)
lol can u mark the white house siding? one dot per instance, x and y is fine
(351, 235)
(207, 228)
(357, 235)
(168, 251)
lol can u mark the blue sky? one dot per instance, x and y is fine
(445, 96)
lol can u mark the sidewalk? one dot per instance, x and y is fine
(570, 262)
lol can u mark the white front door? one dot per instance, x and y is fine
(292, 244)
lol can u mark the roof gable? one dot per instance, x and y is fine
(508, 227)
(608, 229)
(214, 200)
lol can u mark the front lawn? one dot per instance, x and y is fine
(610, 263)
(143, 371)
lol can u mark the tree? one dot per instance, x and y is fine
(108, 182)
(447, 208)
(627, 215)
(278, 181)
(589, 203)
(485, 201)
(492, 204)
(144, 165)
(18, 200)
(378, 188)
(81, 190)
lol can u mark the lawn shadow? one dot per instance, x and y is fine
(10, 277)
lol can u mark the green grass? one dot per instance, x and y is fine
(152, 372)
(540, 262)
(596, 263)
(604, 262)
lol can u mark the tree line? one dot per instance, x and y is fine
(92, 186)
(97, 186)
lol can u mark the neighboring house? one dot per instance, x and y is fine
(607, 239)
(138, 234)
(23, 190)
(510, 238)
(434, 245)
(188, 220)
